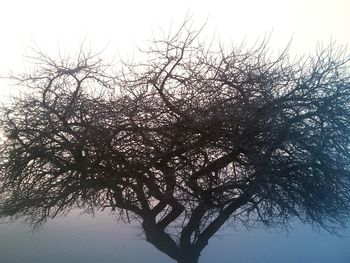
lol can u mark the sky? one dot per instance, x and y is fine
(120, 27)
(80, 238)
(124, 25)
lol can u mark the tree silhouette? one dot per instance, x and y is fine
(182, 141)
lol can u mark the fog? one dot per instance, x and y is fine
(82, 238)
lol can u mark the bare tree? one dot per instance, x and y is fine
(182, 141)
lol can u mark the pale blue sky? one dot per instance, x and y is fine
(82, 239)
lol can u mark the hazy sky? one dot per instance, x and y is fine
(82, 239)
(122, 26)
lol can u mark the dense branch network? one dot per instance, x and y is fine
(182, 141)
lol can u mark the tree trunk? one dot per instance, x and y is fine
(188, 260)
(162, 241)
(188, 256)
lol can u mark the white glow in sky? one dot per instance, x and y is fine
(122, 24)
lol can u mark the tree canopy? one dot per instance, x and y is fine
(183, 140)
